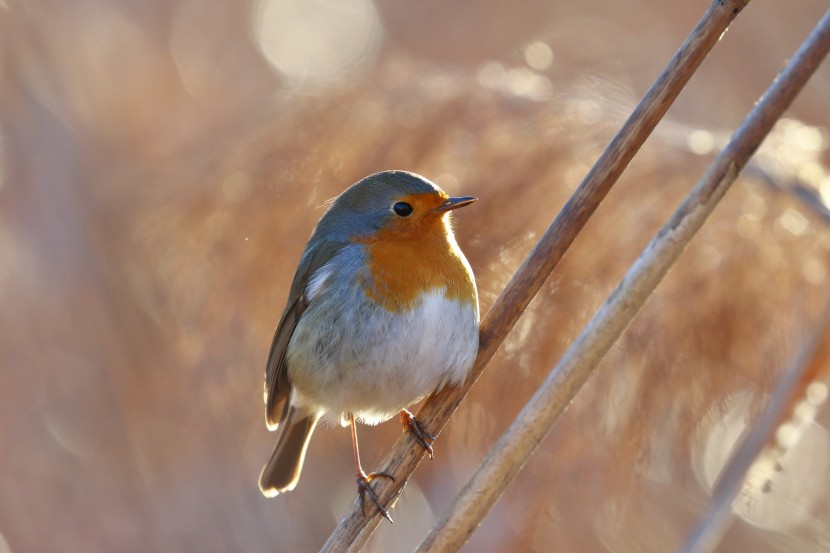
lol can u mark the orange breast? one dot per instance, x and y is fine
(414, 255)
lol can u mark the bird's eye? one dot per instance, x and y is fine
(402, 209)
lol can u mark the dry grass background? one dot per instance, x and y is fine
(158, 181)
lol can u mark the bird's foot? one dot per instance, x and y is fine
(363, 488)
(417, 430)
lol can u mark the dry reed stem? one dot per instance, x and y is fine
(354, 528)
(537, 417)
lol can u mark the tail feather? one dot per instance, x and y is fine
(282, 471)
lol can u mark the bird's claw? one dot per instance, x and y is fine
(363, 487)
(418, 431)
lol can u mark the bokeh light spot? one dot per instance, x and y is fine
(807, 137)
(710, 257)
(491, 75)
(787, 435)
(811, 172)
(794, 222)
(701, 142)
(538, 55)
(754, 207)
(588, 111)
(814, 271)
(524, 82)
(314, 42)
(804, 410)
(517, 81)
(817, 393)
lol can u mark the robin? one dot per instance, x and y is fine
(383, 310)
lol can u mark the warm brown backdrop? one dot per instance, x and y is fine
(163, 162)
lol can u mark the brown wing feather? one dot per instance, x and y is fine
(277, 383)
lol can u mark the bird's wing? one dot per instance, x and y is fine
(277, 384)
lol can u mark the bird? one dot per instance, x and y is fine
(383, 310)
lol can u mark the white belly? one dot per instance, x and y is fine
(382, 361)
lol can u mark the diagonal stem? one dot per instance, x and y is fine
(354, 529)
(537, 417)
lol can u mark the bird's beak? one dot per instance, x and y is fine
(455, 203)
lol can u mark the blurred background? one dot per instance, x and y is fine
(162, 163)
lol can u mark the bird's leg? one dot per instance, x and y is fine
(363, 479)
(417, 429)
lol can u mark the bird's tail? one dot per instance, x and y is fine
(282, 471)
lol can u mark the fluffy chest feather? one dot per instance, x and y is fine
(353, 354)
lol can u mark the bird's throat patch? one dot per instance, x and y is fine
(415, 255)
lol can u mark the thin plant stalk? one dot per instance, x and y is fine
(355, 528)
(537, 417)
